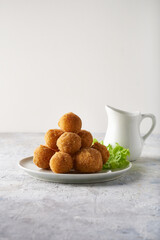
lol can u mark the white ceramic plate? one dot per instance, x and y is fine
(47, 175)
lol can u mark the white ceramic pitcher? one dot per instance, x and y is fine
(124, 128)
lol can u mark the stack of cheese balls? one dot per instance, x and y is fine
(70, 148)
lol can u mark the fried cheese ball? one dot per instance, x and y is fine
(103, 150)
(61, 162)
(88, 160)
(51, 137)
(69, 142)
(42, 156)
(70, 122)
(86, 138)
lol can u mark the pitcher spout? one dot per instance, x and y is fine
(108, 107)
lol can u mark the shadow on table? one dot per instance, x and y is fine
(135, 174)
(151, 160)
(132, 176)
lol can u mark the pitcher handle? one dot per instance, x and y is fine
(149, 115)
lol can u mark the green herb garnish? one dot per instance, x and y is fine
(117, 158)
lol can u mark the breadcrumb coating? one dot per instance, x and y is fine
(51, 138)
(103, 150)
(86, 138)
(61, 162)
(42, 156)
(69, 142)
(70, 122)
(88, 160)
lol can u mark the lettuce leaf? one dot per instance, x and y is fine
(117, 158)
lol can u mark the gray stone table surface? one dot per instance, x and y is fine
(125, 209)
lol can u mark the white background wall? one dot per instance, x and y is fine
(77, 55)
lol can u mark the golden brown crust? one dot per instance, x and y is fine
(70, 122)
(42, 156)
(69, 142)
(51, 138)
(86, 138)
(88, 160)
(103, 150)
(61, 163)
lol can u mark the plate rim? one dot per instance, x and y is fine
(108, 172)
